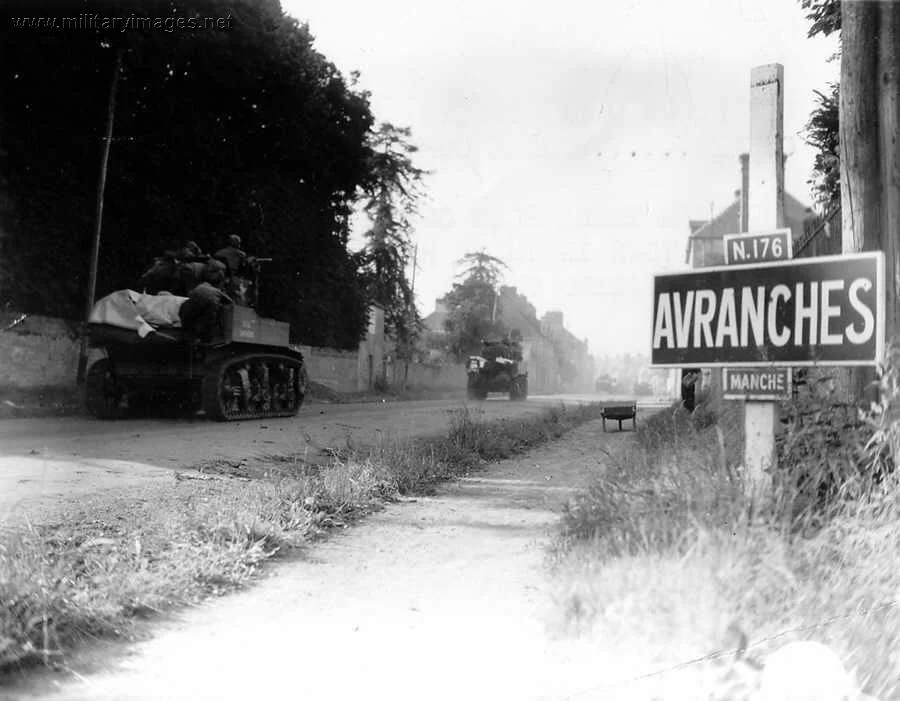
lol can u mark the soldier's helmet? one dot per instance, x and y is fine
(214, 273)
(234, 240)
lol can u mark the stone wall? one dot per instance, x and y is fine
(41, 353)
(426, 376)
(38, 353)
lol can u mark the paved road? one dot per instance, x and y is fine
(42, 460)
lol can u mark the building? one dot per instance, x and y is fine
(705, 245)
(434, 322)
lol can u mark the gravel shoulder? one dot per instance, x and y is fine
(440, 597)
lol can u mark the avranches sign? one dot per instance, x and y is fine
(815, 311)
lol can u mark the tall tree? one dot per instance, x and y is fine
(482, 267)
(392, 197)
(472, 304)
(247, 130)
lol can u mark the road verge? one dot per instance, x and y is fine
(206, 534)
(658, 555)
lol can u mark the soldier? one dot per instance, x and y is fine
(200, 313)
(162, 276)
(191, 252)
(240, 267)
(233, 256)
(192, 263)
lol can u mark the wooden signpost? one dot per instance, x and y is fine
(763, 312)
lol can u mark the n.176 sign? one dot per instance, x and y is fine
(816, 311)
(758, 247)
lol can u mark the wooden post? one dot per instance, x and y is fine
(765, 212)
(98, 219)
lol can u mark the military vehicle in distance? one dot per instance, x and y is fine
(247, 370)
(499, 368)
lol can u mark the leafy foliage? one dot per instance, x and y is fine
(248, 130)
(822, 131)
(822, 134)
(481, 267)
(824, 16)
(392, 198)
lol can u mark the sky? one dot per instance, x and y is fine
(573, 139)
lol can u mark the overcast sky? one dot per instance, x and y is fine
(574, 139)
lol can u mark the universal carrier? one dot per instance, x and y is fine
(248, 370)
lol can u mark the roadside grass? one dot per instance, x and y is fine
(99, 569)
(658, 555)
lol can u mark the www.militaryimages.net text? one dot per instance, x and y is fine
(122, 23)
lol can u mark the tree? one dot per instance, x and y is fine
(824, 16)
(481, 267)
(822, 127)
(472, 304)
(392, 196)
(822, 134)
(248, 131)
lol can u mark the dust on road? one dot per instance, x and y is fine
(438, 598)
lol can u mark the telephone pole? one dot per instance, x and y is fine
(98, 218)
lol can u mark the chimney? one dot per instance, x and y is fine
(745, 191)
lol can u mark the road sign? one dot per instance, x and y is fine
(758, 247)
(771, 384)
(816, 311)
(755, 384)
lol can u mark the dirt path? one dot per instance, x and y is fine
(443, 597)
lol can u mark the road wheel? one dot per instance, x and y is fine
(103, 392)
(222, 394)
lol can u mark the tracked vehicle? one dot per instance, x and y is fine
(246, 370)
(499, 368)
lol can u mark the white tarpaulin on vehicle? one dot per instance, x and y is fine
(128, 309)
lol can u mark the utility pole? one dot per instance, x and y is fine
(98, 218)
(869, 110)
(411, 312)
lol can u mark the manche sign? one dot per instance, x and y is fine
(756, 383)
(816, 311)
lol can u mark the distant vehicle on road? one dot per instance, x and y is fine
(606, 384)
(642, 389)
(499, 368)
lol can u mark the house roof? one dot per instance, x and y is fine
(435, 321)
(728, 221)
